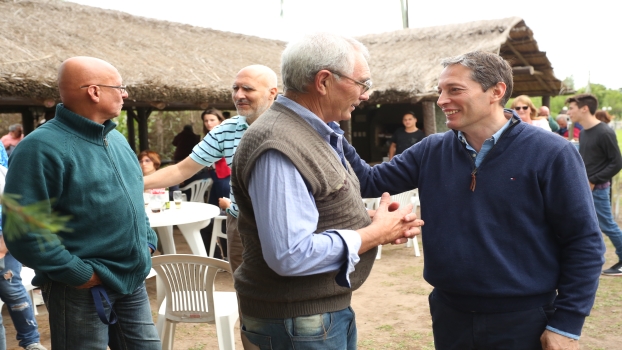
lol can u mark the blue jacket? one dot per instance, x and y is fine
(526, 230)
(89, 172)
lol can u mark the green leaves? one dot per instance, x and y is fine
(33, 218)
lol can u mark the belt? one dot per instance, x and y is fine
(602, 186)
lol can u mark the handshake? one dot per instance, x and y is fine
(390, 224)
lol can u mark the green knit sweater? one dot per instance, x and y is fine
(88, 171)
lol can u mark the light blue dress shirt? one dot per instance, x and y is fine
(287, 217)
(478, 157)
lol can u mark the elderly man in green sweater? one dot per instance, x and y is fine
(91, 274)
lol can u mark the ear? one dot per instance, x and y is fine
(498, 91)
(94, 93)
(273, 92)
(322, 81)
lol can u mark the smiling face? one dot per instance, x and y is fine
(253, 92)
(465, 105)
(210, 121)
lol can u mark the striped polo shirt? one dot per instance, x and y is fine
(222, 141)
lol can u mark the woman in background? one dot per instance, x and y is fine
(527, 111)
(220, 172)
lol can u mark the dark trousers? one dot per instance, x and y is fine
(518, 330)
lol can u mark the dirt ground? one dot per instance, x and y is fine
(391, 309)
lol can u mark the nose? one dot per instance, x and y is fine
(124, 94)
(442, 99)
(365, 96)
(237, 95)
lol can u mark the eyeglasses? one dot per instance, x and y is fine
(366, 85)
(518, 108)
(121, 88)
(145, 160)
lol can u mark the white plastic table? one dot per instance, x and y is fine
(190, 219)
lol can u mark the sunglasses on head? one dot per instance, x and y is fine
(518, 108)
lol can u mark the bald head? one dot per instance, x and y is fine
(544, 111)
(254, 90)
(80, 83)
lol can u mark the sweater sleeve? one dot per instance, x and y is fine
(42, 251)
(572, 217)
(397, 176)
(609, 145)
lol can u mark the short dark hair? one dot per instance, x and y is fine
(487, 69)
(581, 100)
(411, 113)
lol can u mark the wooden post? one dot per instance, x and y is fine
(142, 115)
(131, 131)
(346, 126)
(546, 101)
(429, 118)
(28, 121)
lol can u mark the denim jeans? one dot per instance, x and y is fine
(2, 335)
(74, 323)
(332, 330)
(602, 203)
(457, 330)
(14, 295)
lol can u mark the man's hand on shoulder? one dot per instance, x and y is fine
(553, 341)
(94, 281)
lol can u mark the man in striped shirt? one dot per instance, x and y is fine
(253, 91)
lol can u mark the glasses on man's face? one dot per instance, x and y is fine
(365, 85)
(524, 108)
(121, 88)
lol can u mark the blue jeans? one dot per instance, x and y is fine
(602, 203)
(458, 330)
(14, 295)
(332, 330)
(74, 323)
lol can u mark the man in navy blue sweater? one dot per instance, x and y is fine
(510, 267)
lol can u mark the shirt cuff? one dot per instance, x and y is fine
(153, 248)
(565, 334)
(352, 243)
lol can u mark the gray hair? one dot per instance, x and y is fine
(15, 127)
(303, 58)
(562, 116)
(487, 68)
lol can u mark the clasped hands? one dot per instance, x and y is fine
(397, 224)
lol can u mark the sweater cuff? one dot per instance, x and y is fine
(76, 276)
(566, 323)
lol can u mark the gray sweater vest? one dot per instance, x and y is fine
(262, 292)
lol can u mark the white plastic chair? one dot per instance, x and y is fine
(188, 281)
(372, 204)
(216, 232)
(404, 199)
(198, 189)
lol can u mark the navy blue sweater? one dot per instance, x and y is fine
(528, 229)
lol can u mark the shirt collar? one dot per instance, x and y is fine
(495, 137)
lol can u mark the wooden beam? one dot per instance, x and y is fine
(524, 61)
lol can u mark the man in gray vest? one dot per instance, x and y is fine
(308, 240)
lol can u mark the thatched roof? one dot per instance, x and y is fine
(405, 64)
(177, 66)
(159, 61)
